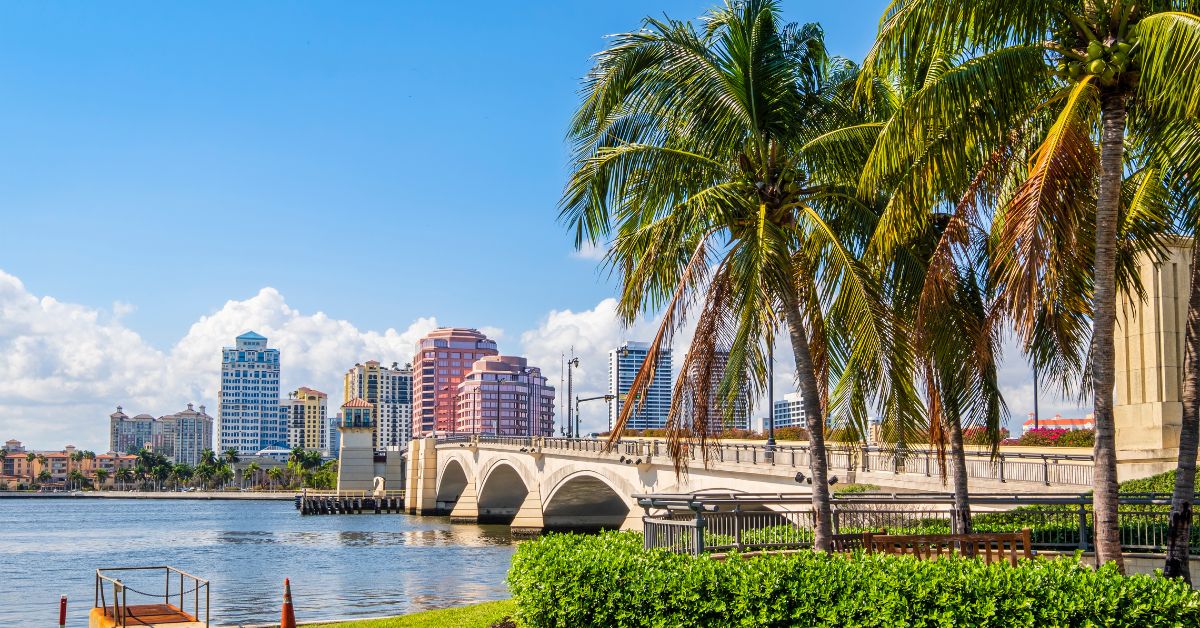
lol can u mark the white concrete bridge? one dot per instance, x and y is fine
(548, 483)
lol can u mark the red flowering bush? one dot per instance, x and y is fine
(1041, 437)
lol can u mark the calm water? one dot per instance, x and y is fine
(340, 565)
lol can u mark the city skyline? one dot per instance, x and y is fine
(321, 347)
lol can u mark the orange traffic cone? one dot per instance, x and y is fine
(289, 616)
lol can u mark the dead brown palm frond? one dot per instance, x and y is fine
(674, 317)
(692, 399)
(956, 238)
(1045, 239)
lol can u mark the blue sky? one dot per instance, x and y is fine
(176, 155)
(172, 174)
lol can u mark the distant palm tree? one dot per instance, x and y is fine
(224, 475)
(181, 473)
(29, 458)
(44, 476)
(100, 475)
(208, 457)
(124, 476)
(75, 479)
(274, 473)
(252, 470)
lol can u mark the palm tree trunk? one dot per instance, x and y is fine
(1112, 152)
(958, 475)
(806, 377)
(1180, 530)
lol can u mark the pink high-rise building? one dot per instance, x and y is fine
(444, 357)
(504, 395)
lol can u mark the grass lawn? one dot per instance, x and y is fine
(473, 616)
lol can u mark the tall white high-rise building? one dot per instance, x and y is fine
(789, 411)
(623, 365)
(390, 393)
(249, 418)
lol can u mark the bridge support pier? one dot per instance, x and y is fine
(421, 490)
(529, 520)
(466, 509)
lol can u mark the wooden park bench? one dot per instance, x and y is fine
(991, 547)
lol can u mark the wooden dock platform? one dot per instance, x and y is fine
(143, 615)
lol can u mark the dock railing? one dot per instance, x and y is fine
(109, 583)
(715, 522)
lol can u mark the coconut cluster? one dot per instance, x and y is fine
(1106, 61)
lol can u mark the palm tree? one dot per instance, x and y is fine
(44, 476)
(688, 155)
(275, 474)
(1112, 59)
(75, 478)
(124, 475)
(208, 457)
(930, 248)
(252, 470)
(29, 458)
(181, 473)
(1171, 174)
(224, 475)
(204, 473)
(100, 476)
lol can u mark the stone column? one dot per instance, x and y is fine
(427, 491)
(1149, 366)
(411, 486)
(356, 459)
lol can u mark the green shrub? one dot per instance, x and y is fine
(846, 489)
(610, 580)
(791, 433)
(1161, 483)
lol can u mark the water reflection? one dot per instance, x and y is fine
(340, 565)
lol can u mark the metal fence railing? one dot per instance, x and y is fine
(180, 590)
(707, 522)
(1042, 468)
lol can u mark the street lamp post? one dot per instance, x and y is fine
(771, 398)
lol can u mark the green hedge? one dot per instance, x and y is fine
(610, 580)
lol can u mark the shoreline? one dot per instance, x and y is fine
(201, 495)
(473, 615)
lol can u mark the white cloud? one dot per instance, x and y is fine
(590, 251)
(64, 367)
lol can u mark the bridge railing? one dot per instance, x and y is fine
(1043, 468)
(745, 521)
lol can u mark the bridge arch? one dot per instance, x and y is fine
(452, 481)
(586, 499)
(502, 490)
